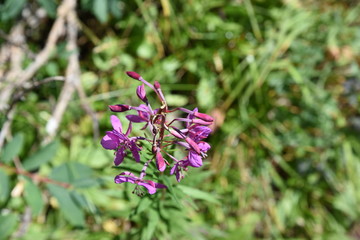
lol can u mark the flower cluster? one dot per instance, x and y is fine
(164, 136)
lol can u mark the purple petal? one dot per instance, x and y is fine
(110, 141)
(173, 169)
(204, 146)
(199, 132)
(119, 108)
(128, 131)
(135, 151)
(141, 93)
(135, 118)
(119, 157)
(159, 185)
(194, 159)
(115, 121)
(149, 185)
(128, 177)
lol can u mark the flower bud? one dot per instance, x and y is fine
(160, 162)
(119, 108)
(193, 145)
(134, 75)
(141, 93)
(203, 116)
(201, 122)
(157, 85)
(176, 133)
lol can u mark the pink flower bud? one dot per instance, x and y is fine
(160, 162)
(201, 122)
(141, 93)
(193, 145)
(203, 116)
(133, 75)
(119, 108)
(176, 133)
(157, 85)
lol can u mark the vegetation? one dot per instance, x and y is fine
(281, 79)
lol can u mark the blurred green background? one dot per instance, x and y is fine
(281, 78)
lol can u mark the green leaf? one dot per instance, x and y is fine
(198, 194)
(42, 156)
(4, 186)
(13, 148)
(77, 174)
(171, 190)
(100, 9)
(49, 6)
(11, 9)
(206, 92)
(7, 225)
(72, 212)
(153, 221)
(33, 197)
(143, 205)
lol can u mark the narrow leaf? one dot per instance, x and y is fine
(72, 212)
(13, 148)
(33, 197)
(42, 156)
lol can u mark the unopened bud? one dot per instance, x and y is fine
(160, 162)
(176, 133)
(203, 116)
(119, 108)
(133, 75)
(141, 93)
(157, 85)
(193, 145)
(201, 122)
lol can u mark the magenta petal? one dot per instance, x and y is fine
(199, 132)
(116, 123)
(125, 178)
(110, 141)
(193, 145)
(194, 159)
(135, 151)
(149, 185)
(204, 146)
(173, 169)
(160, 162)
(135, 118)
(119, 157)
(201, 122)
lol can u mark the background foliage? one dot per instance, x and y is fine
(280, 77)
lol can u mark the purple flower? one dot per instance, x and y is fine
(195, 159)
(118, 141)
(143, 114)
(178, 169)
(131, 178)
(197, 133)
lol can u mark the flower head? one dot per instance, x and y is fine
(163, 136)
(118, 141)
